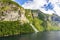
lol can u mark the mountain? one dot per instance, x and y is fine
(12, 16)
(14, 19)
(9, 10)
(42, 21)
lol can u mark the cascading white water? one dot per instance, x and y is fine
(34, 28)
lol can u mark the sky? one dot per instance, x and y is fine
(46, 6)
(21, 2)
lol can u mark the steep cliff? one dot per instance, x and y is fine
(12, 19)
(16, 20)
(42, 21)
(10, 11)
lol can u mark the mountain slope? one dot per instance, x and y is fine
(14, 19)
(43, 22)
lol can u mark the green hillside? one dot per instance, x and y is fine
(41, 21)
(14, 20)
(10, 25)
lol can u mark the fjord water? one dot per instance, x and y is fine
(52, 35)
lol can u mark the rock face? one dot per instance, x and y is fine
(49, 22)
(10, 11)
(55, 20)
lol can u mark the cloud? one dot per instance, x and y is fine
(38, 4)
(35, 4)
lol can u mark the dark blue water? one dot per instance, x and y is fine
(52, 35)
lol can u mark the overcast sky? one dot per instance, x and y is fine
(46, 6)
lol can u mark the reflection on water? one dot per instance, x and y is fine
(53, 35)
(17, 37)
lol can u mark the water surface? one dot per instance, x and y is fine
(52, 35)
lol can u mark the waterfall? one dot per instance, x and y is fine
(34, 28)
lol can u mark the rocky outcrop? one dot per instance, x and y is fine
(10, 11)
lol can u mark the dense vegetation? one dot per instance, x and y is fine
(37, 18)
(37, 23)
(9, 28)
(26, 28)
(42, 22)
(13, 28)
